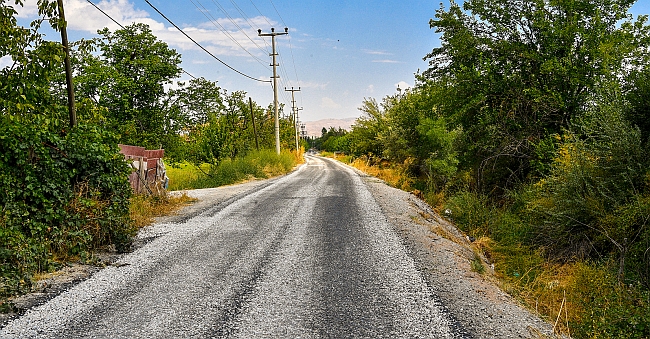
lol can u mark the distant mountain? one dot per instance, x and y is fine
(314, 127)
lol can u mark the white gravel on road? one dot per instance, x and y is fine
(259, 274)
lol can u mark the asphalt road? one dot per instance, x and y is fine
(309, 255)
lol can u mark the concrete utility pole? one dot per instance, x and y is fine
(298, 123)
(257, 143)
(68, 68)
(273, 34)
(294, 111)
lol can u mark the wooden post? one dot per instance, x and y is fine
(68, 68)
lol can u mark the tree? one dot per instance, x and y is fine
(128, 78)
(25, 85)
(366, 130)
(514, 72)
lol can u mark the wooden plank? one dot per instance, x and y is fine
(135, 151)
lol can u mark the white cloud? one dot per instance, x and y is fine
(29, 8)
(370, 89)
(83, 16)
(368, 51)
(316, 85)
(387, 61)
(329, 103)
(6, 61)
(403, 85)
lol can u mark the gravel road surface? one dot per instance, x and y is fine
(322, 252)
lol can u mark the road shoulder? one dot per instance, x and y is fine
(444, 257)
(53, 284)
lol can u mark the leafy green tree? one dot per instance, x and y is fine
(128, 77)
(364, 138)
(638, 95)
(25, 84)
(516, 71)
(595, 198)
(333, 140)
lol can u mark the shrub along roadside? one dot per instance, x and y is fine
(63, 194)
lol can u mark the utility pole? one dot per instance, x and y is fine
(298, 124)
(257, 143)
(294, 111)
(273, 34)
(68, 69)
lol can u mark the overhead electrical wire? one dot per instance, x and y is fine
(283, 75)
(216, 24)
(250, 23)
(283, 71)
(276, 11)
(295, 70)
(290, 45)
(203, 48)
(237, 25)
(263, 16)
(117, 23)
(108, 16)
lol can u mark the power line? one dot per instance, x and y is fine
(203, 48)
(295, 70)
(117, 23)
(290, 45)
(258, 11)
(108, 16)
(216, 24)
(250, 23)
(237, 25)
(276, 11)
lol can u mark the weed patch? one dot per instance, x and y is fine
(256, 165)
(144, 208)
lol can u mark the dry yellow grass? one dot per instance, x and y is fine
(395, 176)
(144, 209)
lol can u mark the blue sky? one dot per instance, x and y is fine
(337, 52)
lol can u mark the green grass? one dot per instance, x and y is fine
(256, 165)
(183, 176)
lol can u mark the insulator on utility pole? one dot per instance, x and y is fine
(273, 34)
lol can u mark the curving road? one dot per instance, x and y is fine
(309, 255)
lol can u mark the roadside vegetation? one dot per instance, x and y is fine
(255, 165)
(530, 131)
(64, 185)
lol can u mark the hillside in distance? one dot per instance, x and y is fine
(314, 127)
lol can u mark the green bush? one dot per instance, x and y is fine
(474, 214)
(592, 202)
(471, 213)
(63, 194)
(610, 310)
